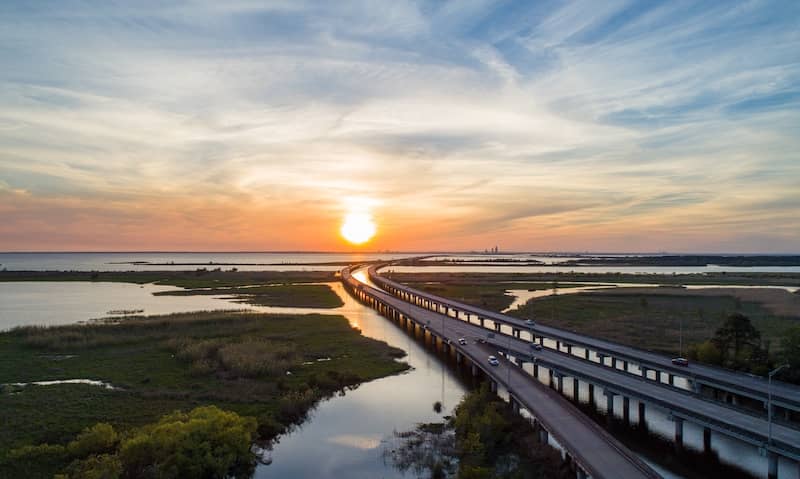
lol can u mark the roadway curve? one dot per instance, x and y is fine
(783, 394)
(712, 414)
(594, 450)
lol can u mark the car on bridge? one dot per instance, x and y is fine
(536, 346)
(680, 362)
(462, 341)
(493, 361)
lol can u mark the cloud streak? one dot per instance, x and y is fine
(624, 126)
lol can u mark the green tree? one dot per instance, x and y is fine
(790, 354)
(736, 334)
(98, 439)
(708, 352)
(103, 466)
(205, 443)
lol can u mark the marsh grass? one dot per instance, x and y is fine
(286, 295)
(235, 360)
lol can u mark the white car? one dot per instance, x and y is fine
(462, 341)
(493, 361)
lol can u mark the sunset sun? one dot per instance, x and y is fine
(358, 227)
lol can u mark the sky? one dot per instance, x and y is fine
(535, 126)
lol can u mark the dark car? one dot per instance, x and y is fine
(680, 362)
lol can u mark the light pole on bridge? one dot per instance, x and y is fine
(769, 400)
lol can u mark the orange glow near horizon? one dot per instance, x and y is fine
(358, 227)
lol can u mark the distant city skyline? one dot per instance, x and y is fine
(615, 126)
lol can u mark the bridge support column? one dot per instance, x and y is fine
(678, 432)
(497, 326)
(580, 473)
(515, 332)
(560, 378)
(625, 366)
(569, 349)
(458, 357)
(535, 370)
(613, 362)
(706, 440)
(551, 382)
(609, 405)
(772, 473)
(644, 371)
(558, 346)
(591, 394)
(514, 404)
(642, 418)
(481, 320)
(518, 362)
(543, 435)
(494, 386)
(474, 369)
(626, 409)
(671, 378)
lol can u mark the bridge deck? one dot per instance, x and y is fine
(783, 394)
(598, 453)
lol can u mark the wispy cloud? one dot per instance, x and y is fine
(537, 125)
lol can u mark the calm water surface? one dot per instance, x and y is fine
(179, 261)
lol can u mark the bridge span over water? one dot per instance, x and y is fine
(734, 388)
(620, 371)
(591, 450)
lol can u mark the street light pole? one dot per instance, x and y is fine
(769, 400)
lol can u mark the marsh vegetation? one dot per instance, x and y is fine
(257, 365)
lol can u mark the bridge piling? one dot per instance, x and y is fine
(678, 432)
(609, 405)
(706, 440)
(772, 473)
(642, 418)
(626, 413)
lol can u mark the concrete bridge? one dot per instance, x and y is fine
(738, 389)
(619, 379)
(589, 448)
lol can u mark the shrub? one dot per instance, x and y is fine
(98, 439)
(206, 442)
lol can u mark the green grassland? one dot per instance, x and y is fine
(237, 361)
(651, 321)
(487, 295)
(287, 295)
(201, 278)
(740, 278)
